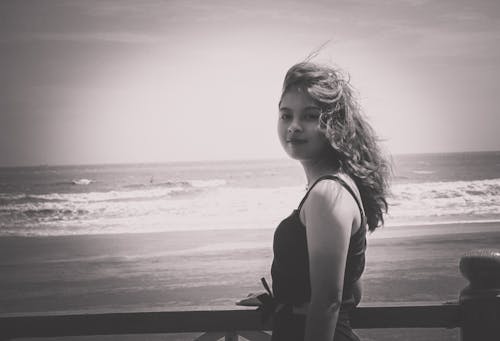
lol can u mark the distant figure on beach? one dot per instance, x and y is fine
(319, 250)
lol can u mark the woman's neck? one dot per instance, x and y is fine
(314, 169)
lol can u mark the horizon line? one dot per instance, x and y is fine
(221, 160)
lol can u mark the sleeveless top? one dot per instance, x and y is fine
(290, 267)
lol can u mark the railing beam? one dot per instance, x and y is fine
(431, 315)
(131, 323)
(407, 315)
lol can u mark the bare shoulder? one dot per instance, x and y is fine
(331, 193)
(326, 190)
(329, 200)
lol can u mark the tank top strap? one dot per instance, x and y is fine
(343, 184)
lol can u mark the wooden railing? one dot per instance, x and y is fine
(476, 313)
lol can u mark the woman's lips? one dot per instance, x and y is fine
(296, 141)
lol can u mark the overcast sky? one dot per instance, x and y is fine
(154, 81)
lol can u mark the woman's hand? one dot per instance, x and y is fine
(252, 300)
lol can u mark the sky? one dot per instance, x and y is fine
(157, 81)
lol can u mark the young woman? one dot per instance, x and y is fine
(319, 250)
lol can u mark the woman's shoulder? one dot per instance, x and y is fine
(327, 188)
(331, 190)
(334, 184)
(329, 204)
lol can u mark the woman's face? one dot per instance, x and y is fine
(298, 126)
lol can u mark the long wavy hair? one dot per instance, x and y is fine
(351, 136)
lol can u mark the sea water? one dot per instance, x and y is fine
(137, 198)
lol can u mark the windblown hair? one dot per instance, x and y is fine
(351, 136)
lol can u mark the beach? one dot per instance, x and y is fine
(197, 270)
(198, 235)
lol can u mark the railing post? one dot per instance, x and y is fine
(480, 300)
(231, 336)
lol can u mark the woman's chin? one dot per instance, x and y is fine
(293, 155)
(301, 157)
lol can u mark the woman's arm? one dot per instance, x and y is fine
(328, 216)
(357, 289)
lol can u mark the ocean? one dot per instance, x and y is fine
(142, 198)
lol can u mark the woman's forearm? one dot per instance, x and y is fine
(321, 322)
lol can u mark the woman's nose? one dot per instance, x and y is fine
(294, 127)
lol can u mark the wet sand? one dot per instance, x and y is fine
(212, 269)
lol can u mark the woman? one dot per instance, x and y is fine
(319, 250)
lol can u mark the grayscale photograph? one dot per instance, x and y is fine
(249, 170)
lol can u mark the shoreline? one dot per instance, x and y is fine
(484, 225)
(428, 229)
(129, 246)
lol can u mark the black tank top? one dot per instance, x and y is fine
(290, 268)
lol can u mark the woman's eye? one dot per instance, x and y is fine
(312, 116)
(285, 116)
